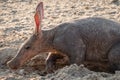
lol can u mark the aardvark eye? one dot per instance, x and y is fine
(27, 47)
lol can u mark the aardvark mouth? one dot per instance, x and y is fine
(13, 64)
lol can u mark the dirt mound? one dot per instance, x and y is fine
(72, 72)
(75, 72)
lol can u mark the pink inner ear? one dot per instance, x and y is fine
(37, 21)
(39, 16)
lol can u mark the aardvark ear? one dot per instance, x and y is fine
(39, 14)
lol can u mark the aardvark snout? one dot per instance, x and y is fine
(13, 64)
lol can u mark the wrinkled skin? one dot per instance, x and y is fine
(85, 40)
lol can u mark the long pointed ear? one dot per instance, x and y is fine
(38, 17)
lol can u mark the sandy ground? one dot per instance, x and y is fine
(17, 24)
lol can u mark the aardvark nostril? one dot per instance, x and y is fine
(13, 64)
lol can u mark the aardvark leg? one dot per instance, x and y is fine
(51, 61)
(114, 58)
